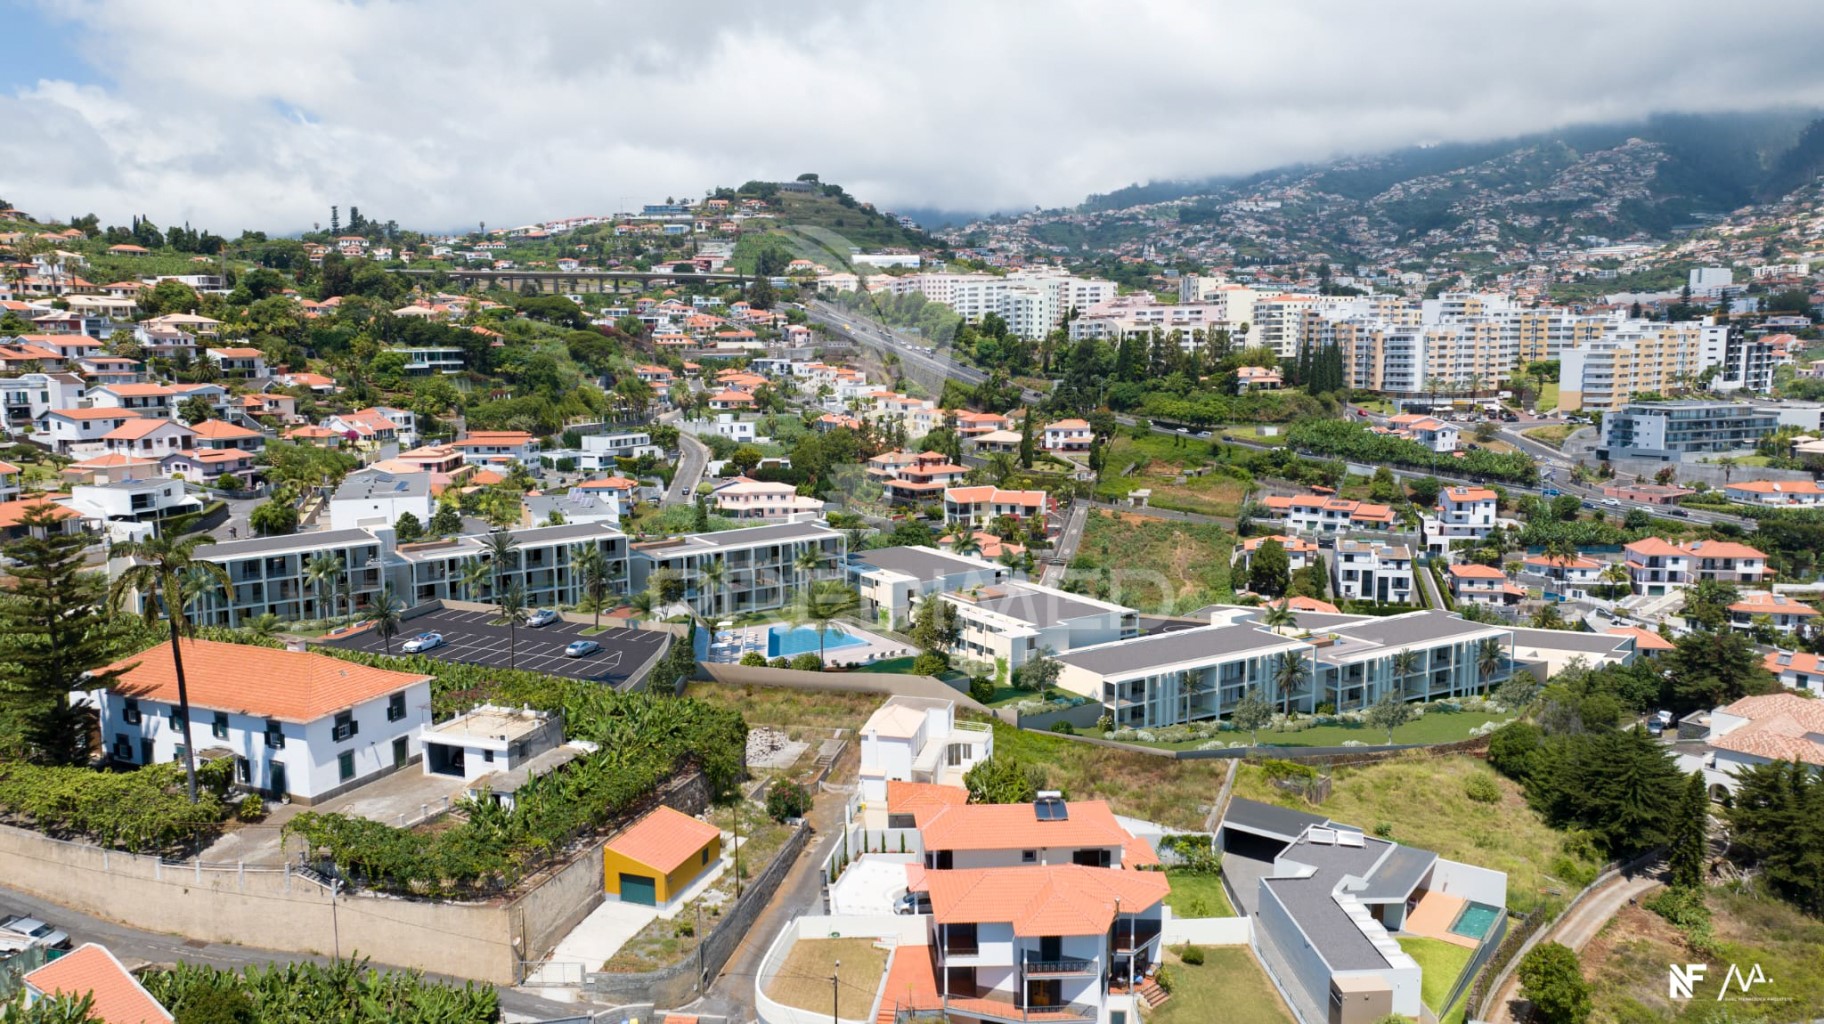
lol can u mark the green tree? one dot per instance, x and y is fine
(934, 625)
(1389, 713)
(699, 515)
(52, 1009)
(446, 520)
(1290, 672)
(156, 570)
(1003, 779)
(1253, 713)
(1028, 425)
(1708, 669)
(1491, 657)
(386, 616)
(1269, 569)
(408, 529)
(323, 573)
(1552, 980)
(52, 630)
(821, 604)
(1777, 825)
(195, 410)
(1707, 603)
(1040, 672)
(501, 550)
(1689, 844)
(273, 518)
(513, 609)
(591, 568)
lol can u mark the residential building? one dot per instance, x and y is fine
(911, 478)
(919, 739)
(24, 399)
(267, 576)
(759, 565)
(1566, 578)
(1656, 566)
(542, 565)
(1484, 585)
(9, 482)
(1603, 372)
(226, 466)
(891, 580)
(1317, 513)
(334, 724)
(488, 740)
(1299, 551)
(376, 425)
(375, 498)
(1780, 611)
(1369, 571)
(425, 360)
(498, 448)
(1759, 730)
(1797, 670)
(1777, 493)
(131, 500)
(144, 399)
(1017, 622)
(981, 506)
(629, 444)
(1435, 434)
(239, 362)
(1066, 436)
(1672, 431)
(742, 498)
(656, 859)
(90, 971)
(1463, 513)
(148, 438)
(13, 513)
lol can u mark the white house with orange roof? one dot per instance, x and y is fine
(334, 725)
(498, 447)
(1318, 513)
(1760, 730)
(80, 431)
(215, 435)
(1463, 513)
(1069, 435)
(743, 498)
(1299, 551)
(1797, 670)
(376, 425)
(1778, 493)
(149, 438)
(1571, 577)
(924, 477)
(103, 369)
(1258, 378)
(239, 361)
(146, 399)
(27, 396)
(981, 505)
(1782, 611)
(918, 739)
(1482, 584)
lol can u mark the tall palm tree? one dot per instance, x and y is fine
(820, 604)
(1290, 674)
(1615, 574)
(264, 626)
(386, 615)
(591, 568)
(1405, 663)
(1280, 617)
(500, 548)
(714, 574)
(157, 570)
(512, 602)
(321, 573)
(963, 540)
(1490, 657)
(807, 562)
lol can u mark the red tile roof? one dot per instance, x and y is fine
(238, 678)
(1065, 899)
(1017, 827)
(664, 839)
(117, 997)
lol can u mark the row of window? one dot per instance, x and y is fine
(345, 726)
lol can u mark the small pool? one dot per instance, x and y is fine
(787, 641)
(1475, 920)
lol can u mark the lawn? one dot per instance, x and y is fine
(1626, 963)
(1553, 435)
(1197, 895)
(1437, 727)
(1548, 397)
(1155, 565)
(1507, 835)
(1174, 793)
(1441, 963)
(892, 666)
(1228, 986)
(804, 980)
(796, 711)
(1157, 460)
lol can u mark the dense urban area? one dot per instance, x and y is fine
(1379, 591)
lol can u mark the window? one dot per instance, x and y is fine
(275, 735)
(176, 718)
(123, 748)
(1029, 856)
(960, 939)
(129, 711)
(395, 707)
(488, 756)
(704, 856)
(219, 727)
(345, 726)
(1090, 858)
(345, 765)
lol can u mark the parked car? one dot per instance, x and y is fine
(581, 648)
(913, 903)
(1664, 718)
(422, 642)
(541, 617)
(1682, 513)
(40, 933)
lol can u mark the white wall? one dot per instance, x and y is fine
(1207, 931)
(355, 513)
(1468, 882)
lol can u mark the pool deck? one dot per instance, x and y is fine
(872, 648)
(1434, 915)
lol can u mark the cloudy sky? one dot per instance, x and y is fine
(443, 113)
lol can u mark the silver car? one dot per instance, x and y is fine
(541, 617)
(40, 933)
(422, 642)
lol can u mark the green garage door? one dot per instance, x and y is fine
(639, 889)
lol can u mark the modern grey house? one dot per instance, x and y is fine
(1671, 431)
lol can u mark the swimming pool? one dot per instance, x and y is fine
(786, 641)
(1475, 920)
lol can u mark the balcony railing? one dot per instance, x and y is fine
(1004, 1010)
(1035, 966)
(1139, 933)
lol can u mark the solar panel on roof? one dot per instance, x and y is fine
(1050, 808)
(1348, 838)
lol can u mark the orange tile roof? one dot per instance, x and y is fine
(222, 430)
(237, 678)
(1068, 899)
(95, 414)
(923, 800)
(479, 438)
(135, 390)
(911, 984)
(237, 353)
(1644, 639)
(1656, 546)
(137, 428)
(1760, 602)
(664, 839)
(1798, 661)
(1017, 827)
(1477, 572)
(117, 997)
(1468, 494)
(110, 460)
(12, 513)
(1301, 603)
(1779, 728)
(1721, 549)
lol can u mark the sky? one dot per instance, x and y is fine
(448, 113)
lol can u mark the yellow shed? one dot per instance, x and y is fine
(657, 857)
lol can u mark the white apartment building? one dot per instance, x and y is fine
(542, 564)
(1363, 571)
(423, 361)
(79, 431)
(982, 505)
(1033, 301)
(1657, 567)
(1017, 622)
(24, 399)
(376, 498)
(742, 498)
(891, 580)
(759, 565)
(1463, 513)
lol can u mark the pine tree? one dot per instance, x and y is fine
(1689, 842)
(52, 630)
(1029, 423)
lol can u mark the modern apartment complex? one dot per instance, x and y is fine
(1671, 431)
(1033, 301)
(759, 567)
(1016, 622)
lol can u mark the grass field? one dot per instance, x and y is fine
(795, 711)
(1228, 987)
(1553, 435)
(1161, 459)
(1548, 397)
(1197, 895)
(1626, 963)
(1506, 835)
(1442, 962)
(1155, 565)
(1437, 727)
(804, 980)
(1173, 793)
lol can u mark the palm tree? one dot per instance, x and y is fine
(1280, 617)
(1405, 663)
(963, 540)
(264, 627)
(1289, 674)
(1490, 657)
(500, 548)
(807, 562)
(157, 570)
(822, 603)
(591, 567)
(1615, 574)
(321, 574)
(385, 614)
(512, 602)
(715, 576)
(1001, 467)
(474, 577)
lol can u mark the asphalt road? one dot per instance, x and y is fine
(693, 459)
(1058, 562)
(154, 947)
(473, 638)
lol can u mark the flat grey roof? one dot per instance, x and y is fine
(1035, 607)
(261, 546)
(1270, 819)
(1570, 640)
(1324, 621)
(776, 533)
(1311, 900)
(1182, 645)
(376, 483)
(1397, 875)
(922, 564)
(1420, 627)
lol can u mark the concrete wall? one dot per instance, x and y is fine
(1083, 716)
(1466, 881)
(1208, 931)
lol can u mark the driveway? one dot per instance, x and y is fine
(403, 797)
(594, 940)
(1575, 930)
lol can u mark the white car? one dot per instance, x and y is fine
(541, 617)
(422, 642)
(40, 933)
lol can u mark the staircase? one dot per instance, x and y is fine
(1151, 994)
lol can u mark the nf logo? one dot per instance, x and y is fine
(1681, 978)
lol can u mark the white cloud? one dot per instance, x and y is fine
(441, 113)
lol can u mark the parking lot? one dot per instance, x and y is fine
(474, 638)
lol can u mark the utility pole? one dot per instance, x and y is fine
(835, 994)
(738, 804)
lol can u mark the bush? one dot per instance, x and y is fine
(780, 662)
(1064, 727)
(1481, 788)
(808, 662)
(1192, 955)
(1384, 829)
(981, 689)
(684, 929)
(787, 800)
(252, 808)
(930, 664)
(753, 659)
(1164, 979)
